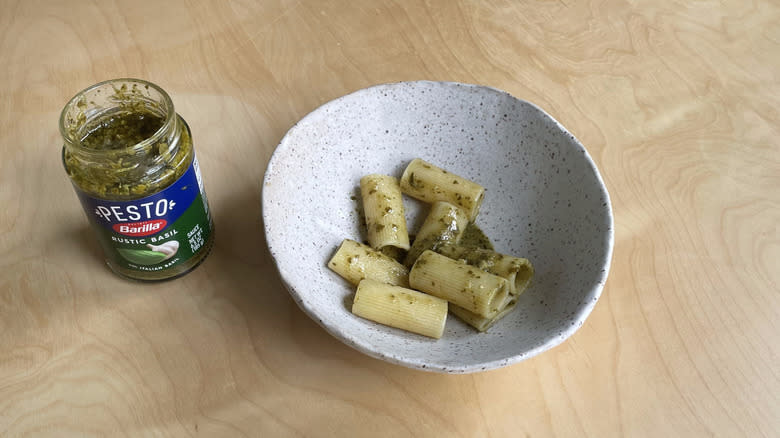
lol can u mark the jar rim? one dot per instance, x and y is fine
(170, 113)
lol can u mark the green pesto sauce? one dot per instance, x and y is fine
(474, 237)
(122, 130)
(123, 172)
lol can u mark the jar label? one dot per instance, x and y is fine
(154, 233)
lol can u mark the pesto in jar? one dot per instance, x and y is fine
(131, 160)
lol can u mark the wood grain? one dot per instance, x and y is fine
(676, 101)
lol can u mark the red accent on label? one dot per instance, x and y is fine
(145, 228)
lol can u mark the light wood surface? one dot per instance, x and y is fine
(676, 101)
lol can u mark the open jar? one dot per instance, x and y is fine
(132, 163)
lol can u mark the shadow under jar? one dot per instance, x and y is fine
(131, 160)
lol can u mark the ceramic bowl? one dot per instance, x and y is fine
(545, 201)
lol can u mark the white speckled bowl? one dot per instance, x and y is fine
(545, 200)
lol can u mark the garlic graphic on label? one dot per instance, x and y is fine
(168, 248)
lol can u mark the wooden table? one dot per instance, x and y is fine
(676, 101)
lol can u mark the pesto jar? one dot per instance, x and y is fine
(132, 164)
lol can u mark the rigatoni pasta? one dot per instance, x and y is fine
(401, 308)
(518, 271)
(482, 323)
(449, 273)
(444, 223)
(384, 212)
(355, 261)
(426, 182)
(461, 284)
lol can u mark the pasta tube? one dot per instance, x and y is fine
(445, 223)
(480, 322)
(460, 284)
(384, 211)
(355, 261)
(399, 307)
(424, 181)
(518, 271)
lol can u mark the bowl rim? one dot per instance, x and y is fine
(589, 300)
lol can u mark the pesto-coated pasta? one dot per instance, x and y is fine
(426, 182)
(445, 223)
(460, 284)
(399, 307)
(518, 271)
(449, 267)
(384, 211)
(355, 261)
(480, 322)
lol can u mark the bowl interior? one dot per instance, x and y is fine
(544, 201)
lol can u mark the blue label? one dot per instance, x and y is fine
(146, 216)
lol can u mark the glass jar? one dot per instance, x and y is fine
(132, 163)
